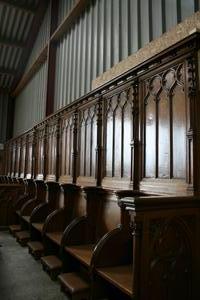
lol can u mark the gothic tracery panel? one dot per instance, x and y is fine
(165, 125)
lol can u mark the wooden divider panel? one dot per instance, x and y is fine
(29, 156)
(13, 158)
(87, 144)
(117, 137)
(40, 152)
(23, 157)
(164, 126)
(52, 148)
(9, 163)
(66, 148)
(18, 157)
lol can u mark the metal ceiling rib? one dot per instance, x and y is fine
(15, 24)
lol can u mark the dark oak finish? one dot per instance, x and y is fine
(138, 132)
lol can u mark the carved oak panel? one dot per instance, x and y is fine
(165, 126)
(66, 148)
(87, 143)
(52, 147)
(40, 152)
(170, 260)
(29, 156)
(23, 157)
(117, 138)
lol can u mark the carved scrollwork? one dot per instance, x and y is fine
(192, 88)
(170, 263)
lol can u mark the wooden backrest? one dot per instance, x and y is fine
(74, 201)
(103, 211)
(53, 189)
(31, 188)
(41, 190)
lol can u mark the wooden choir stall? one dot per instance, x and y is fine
(115, 209)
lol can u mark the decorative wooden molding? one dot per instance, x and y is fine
(173, 36)
(132, 132)
(31, 72)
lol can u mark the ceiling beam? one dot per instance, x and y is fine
(11, 43)
(71, 17)
(37, 21)
(6, 71)
(16, 4)
(42, 57)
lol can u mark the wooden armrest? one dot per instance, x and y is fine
(28, 207)
(129, 193)
(77, 232)
(118, 239)
(20, 202)
(40, 213)
(56, 221)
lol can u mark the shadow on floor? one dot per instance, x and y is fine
(21, 277)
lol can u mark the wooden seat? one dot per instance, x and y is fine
(74, 206)
(81, 252)
(38, 226)
(75, 285)
(26, 218)
(119, 276)
(23, 237)
(52, 264)
(36, 249)
(41, 212)
(55, 237)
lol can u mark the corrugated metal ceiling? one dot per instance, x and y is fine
(16, 18)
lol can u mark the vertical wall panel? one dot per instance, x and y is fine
(42, 38)
(145, 22)
(124, 40)
(157, 27)
(171, 13)
(134, 28)
(187, 8)
(107, 32)
(64, 8)
(30, 104)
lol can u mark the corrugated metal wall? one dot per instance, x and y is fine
(41, 39)
(3, 116)
(64, 8)
(106, 33)
(30, 104)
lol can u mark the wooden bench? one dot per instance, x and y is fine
(41, 212)
(26, 210)
(15, 206)
(92, 238)
(55, 224)
(164, 243)
(9, 193)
